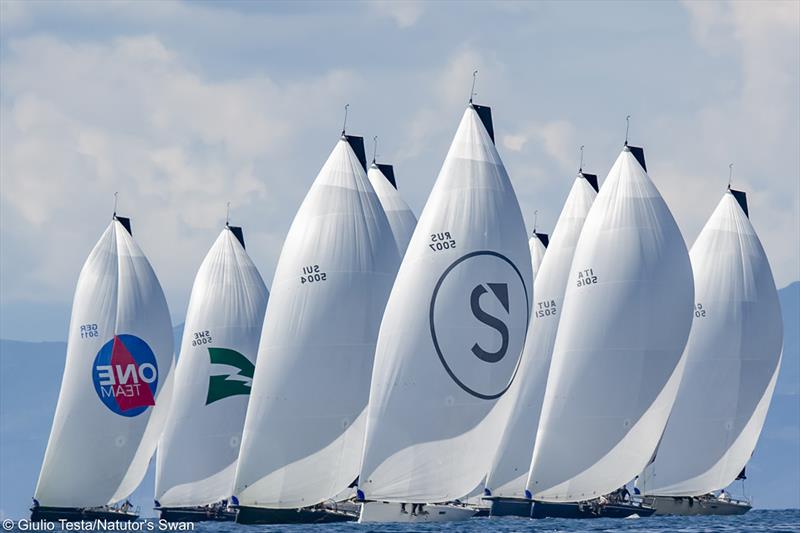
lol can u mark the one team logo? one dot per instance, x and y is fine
(478, 323)
(125, 375)
(225, 385)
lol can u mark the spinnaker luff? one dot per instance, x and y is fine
(451, 336)
(732, 361)
(508, 473)
(616, 361)
(116, 386)
(198, 451)
(304, 428)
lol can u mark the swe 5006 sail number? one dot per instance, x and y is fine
(201, 337)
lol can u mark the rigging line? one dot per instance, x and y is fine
(344, 124)
(472, 91)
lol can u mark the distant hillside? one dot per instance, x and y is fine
(30, 377)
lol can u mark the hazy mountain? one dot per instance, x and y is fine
(30, 377)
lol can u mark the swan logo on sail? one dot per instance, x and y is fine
(478, 320)
(125, 375)
(225, 385)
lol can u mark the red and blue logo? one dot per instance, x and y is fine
(125, 375)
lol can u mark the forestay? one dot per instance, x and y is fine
(509, 470)
(453, 331)
(617, 360)
(401, 219)
(114, 389)
(732, 360)
(304, 428)
(198, 451)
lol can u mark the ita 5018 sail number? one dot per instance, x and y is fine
(312, 274)
(586, 277)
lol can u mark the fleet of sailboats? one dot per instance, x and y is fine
(425, 371)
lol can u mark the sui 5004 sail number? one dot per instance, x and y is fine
(442, 241)
(586, 277)
(312, 274)
(201, 337)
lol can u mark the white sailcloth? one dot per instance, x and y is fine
(452, 334)
(732, 361)
(509, 470)
(304, 428)
(538, 248)
(401, 219)
(119, 359)
(617, 360)
(198, 451)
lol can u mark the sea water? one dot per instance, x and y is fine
(754, 521)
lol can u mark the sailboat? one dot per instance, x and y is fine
(616, 362)
(198, 451)
(538, 245)
(304, 429)
(401, 220)
(450, 339)
(116, 386)
(732, 362)
(505, 484)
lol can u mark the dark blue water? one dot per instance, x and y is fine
(754, 521)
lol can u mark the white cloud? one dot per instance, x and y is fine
(405, 13)
(84, 120)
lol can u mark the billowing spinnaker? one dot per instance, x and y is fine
(119, 358)
(401, 219)
(198, 451)
(509, 470)
(617, 360)
(304, 429)
(732, 360)
(453, 331)
(538, 246)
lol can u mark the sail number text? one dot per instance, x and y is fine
(699, 311)
(546, 308)
(312, 274)
(201, 337)
(586, 277)
(88, 331)
(442, 241)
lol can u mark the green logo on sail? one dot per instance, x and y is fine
(225, 385)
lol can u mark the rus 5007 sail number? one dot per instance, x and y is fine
(442, 241)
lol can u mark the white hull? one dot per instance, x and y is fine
(392, 512)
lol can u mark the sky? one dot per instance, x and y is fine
(183, 107)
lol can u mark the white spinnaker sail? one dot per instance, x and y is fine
(198, 451)
(304, 429)
(538, 248)
(119, 357)
(732, 361)
(509, 470)
(401, 219)
(452, 333)
(617, 360)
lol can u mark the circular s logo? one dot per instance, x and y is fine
(478, 316)
(125, 375)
